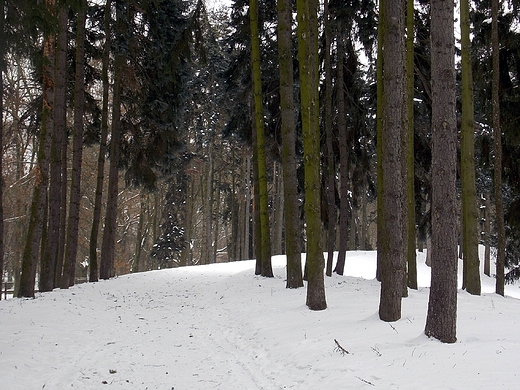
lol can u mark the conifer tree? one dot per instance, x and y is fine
(470, 223)
(442, 304)
(308, 65)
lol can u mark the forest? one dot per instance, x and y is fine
(140, 135)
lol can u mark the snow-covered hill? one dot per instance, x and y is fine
(221, 327)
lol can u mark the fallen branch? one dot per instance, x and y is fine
(340, 349)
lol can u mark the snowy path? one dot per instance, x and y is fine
(221, 327)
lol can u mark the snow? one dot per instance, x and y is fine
(220, 327)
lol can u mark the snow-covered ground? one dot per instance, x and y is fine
(221, 327)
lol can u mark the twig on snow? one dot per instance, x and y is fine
(340, 349)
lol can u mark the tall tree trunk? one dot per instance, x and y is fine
(208, 208)
(247, 210)
(50, 249)
(290, 180)
(278, 203)
(2, 68)
(379, 136)
(410, 187)
(442, 304)
(499, 202)
(394, 104)
(470, 223)
(38, 203)
(331, 173)
(71, 248)
(308, 66)
(343, 158)
(106, 270)
(96, 218)
(260, 142)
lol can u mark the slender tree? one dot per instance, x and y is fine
(290, 180)
(39, 199)
(331, 174)
(470, 222)
(96, 218)
(410, 160)
(106, 270)
(71, 247)
(308, 66)
(2, 69)
(394, 105)
(343, 156)
(379, 136)
(442, 304)
(260, 141)
(499, 203)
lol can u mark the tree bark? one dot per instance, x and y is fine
(96, 218)
(470, 223)
(39, 198)
(331, 173)
(109, 233)
(266, 270)
(442, 305)
(50, 246)
(290, 180)
(308, 66)
(410, 168)
(394, 104)
(71, 248)
(343, 158)
(487, 233)
(2, 68)
(499, 200)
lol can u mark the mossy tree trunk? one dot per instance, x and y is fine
(470, 223)
(308, 65)
(265, 246)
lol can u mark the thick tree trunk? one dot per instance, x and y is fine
(442, 305)
(499, 202)
(71, 248)
(394, 103)
(308, 65)
(290, 180)
(96, 218)
(260, 143)
(470, 224)
(39, 200)
(50, 249)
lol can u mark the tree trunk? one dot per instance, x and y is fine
(487, 232)
(139, 236)
(278, 202)
(106, 270)
(38, 203)
(331, 173)
(470, 224)
(260, 142)
(308, 66)
(394, 103)
(442, 303)
(96, 218)
(343, 159)
(2, 68)
(247, 211)
(71, 248)
(379, 136)
(410, 171)
(497, 132)
(50, 249)
(290, 180)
